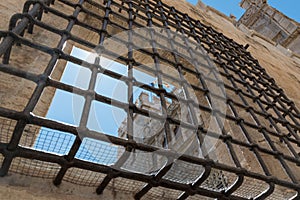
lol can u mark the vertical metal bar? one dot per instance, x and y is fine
(180, 71)
(168, 136)
(88, 99)
(266, 136)
(130, 130)
(233, 155)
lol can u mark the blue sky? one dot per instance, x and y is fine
(288, 7)
(67, 108)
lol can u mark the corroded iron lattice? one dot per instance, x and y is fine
(255, 148)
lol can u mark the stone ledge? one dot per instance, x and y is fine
(16, 186)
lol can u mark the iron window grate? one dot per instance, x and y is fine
(257, 105)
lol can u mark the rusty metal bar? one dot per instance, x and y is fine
(254, 92)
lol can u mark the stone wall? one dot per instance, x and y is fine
(15, 187)
(277, 60)
(29, 60)
(280, 64)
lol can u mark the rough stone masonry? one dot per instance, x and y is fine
(279, 62)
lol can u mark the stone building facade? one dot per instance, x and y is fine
(273, 53)
(152, 132)
(271, 23)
